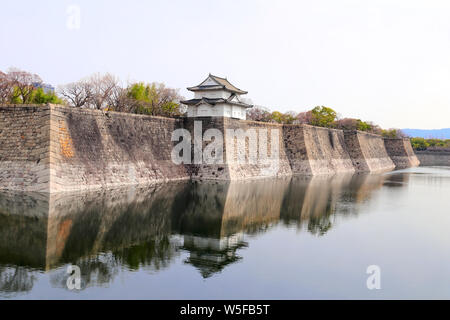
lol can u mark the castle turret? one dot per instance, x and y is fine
(216, 97)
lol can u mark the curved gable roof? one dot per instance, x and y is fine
(217, 83)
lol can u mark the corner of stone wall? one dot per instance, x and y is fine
(201, 171)
(297, 151)
(326, 151)
(401, 152)
(354, 149)
(24, 148)
(375, 153)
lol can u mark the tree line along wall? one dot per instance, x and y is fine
(53, 148)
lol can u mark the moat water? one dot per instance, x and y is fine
(299, 238)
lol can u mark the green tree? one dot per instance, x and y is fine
(154, 99)
(141, 92)
(447, 143)
(170, 108)
(40, 97)
(289, 117)
(141, 97)
(277, 116)
(23, 84)
(284, 118)
(393, 133)
(16, 97)
(353, 124)
(363, 126)
(35, 96)
(419, 143)
(323, 116)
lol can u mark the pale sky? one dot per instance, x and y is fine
(385, 61)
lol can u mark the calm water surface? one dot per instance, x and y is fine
(299, 238)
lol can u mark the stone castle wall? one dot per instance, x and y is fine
(270, 161)
(98, 149)
(326, 152)
(433, 158)
(199, 171)
(54, 148)
(367, 152)
(302, 150)
(401, 153)
(25, 148)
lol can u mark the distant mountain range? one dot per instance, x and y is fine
(433, 133)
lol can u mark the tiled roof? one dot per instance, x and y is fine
(222, 83)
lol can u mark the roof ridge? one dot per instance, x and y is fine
(218, 77)
(220, 82)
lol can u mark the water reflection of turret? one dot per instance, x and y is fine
(218, 214)
(200, 223)
(212, 255)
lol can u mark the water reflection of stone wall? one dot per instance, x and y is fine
(115, 220)
(251, 207)
(23, 228)
(311, 203)
(148, 228)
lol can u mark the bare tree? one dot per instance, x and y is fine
(376, 129)
(166, 100)
(6, 89)
(96, 92)
(347, 124)
(24, 83)
(258, 113)
(118, 100)
(304, 117)
(77, 93)
(103, 86)
(106, 92)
